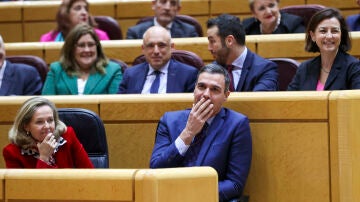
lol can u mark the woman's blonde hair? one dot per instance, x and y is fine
(251, 4)
(19, 136)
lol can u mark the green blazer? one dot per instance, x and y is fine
(59, 83)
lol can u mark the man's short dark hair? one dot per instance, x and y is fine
(214, 68)
(228, 25)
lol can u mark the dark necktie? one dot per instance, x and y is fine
(195, 147)
(231, 86)
(155, 85)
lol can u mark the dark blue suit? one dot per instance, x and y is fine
(20, 79)
(181, 78)
(353, 22)
(258, 74)
(179, 29)
(227, 148)
(344, 74)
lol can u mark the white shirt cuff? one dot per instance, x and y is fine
(181, 146)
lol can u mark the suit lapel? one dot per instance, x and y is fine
(335, 71)
(176, 30)
(92, 82)
(245, 70)
(8, 79)
(313, 74)
(141, 76)
(70, 82)
(213, 131)
(171, 76)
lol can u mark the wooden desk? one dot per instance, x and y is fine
(69, 185)
(177, 185)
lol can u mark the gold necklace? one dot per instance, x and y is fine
(324, 70)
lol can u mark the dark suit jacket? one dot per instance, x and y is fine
(288, 24)
(344, 74)
(179, 29)
(20, 79)
(181, 78)
(58, 82)
(353, 22)
(227, 148)
(258, 74)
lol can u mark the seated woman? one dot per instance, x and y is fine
(71, 13)
(83, 67)
(334, 68)
(40, 140)
(269, 20)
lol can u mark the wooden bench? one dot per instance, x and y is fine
(268, 46)
(101, 185)
(177, 185)
(70, 185)
(27, 21)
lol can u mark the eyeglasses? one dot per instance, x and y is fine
(88, 44)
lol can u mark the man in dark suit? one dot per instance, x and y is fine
(248, 71)
(168, 75)
(207, 135)
(165, 16)
(353, 21)
(17, 79)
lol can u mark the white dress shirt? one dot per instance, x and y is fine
(150, 77)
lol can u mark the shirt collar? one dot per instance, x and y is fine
(163, 69)
(4, 65)
(239, 61)
(168, 26)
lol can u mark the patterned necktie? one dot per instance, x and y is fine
(195, 147)
(155, 85)
(231, 86)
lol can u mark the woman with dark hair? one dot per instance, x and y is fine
(70, 14)
(269, 20)
(40, 140)
(334, 68)
(83, 67)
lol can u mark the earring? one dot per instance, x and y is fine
(27, 133)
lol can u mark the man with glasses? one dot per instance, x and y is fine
(165, 12)
(160, 73)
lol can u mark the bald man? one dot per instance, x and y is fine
(160, 73)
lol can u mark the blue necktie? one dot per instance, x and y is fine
(193, 152)
(155, 85)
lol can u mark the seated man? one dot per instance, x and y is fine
(160, 73)
(207, 135)
(353, 21)
(17, 79)
(247, 70)
(165, 12)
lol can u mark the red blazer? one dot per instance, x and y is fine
(70, 155)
